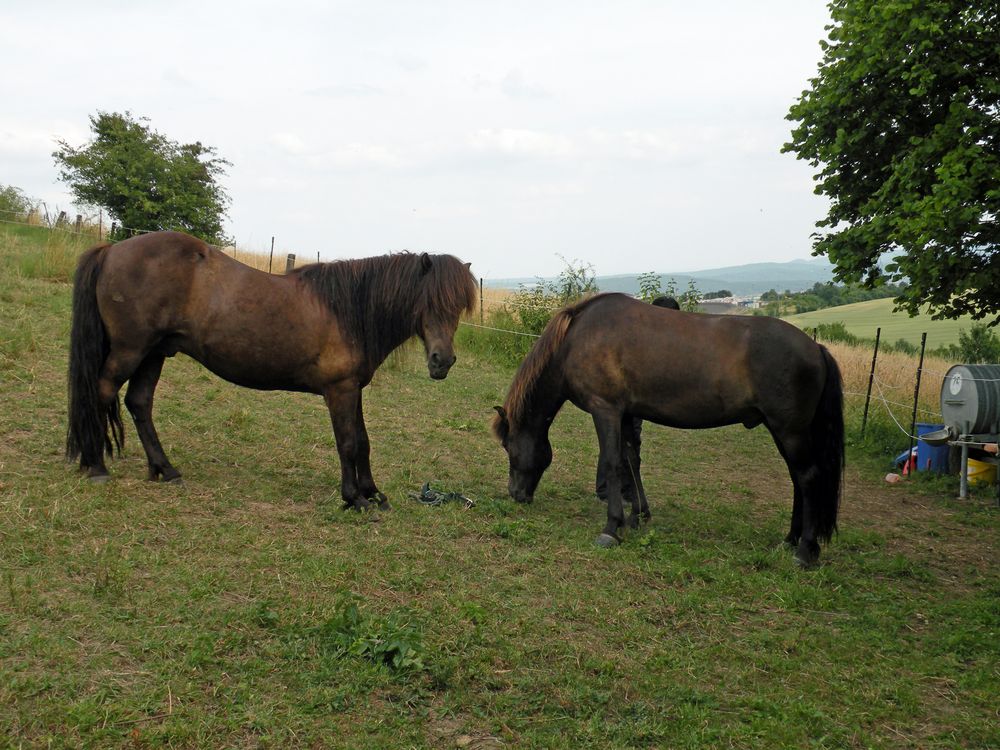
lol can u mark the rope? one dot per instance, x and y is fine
(893, 416)
(501, 330)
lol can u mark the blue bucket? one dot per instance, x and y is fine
(931, 457)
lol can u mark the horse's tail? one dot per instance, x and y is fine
(828, 443)
(93, 427)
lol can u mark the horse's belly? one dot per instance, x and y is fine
(253, 369)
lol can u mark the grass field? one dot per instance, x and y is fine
(246, 609)
(863, 318)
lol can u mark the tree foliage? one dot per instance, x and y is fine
(144, 180)
(13, 202)
(902, 123)
(533, 305)
(979, 345)
(651, 286)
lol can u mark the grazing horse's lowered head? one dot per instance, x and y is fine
(530, 454)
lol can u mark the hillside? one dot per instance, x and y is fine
(862, 318)
(748, 279)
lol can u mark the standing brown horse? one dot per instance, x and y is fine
(323, 328)
(619, 359)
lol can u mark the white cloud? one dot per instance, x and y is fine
(622, 134)
(522, 142)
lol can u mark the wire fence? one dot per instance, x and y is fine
(94, 224)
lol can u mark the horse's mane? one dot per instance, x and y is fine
(522, 388)
(378, 301)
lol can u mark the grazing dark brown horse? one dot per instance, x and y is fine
(619, 359)
(323, 328)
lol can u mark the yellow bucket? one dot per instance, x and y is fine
(981, 472)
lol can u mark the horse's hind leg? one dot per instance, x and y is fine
(805, 474)
(139, 402)
(795, 530)
(117, 368)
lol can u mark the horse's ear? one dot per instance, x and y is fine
(425, 262)
(501, 427)
(469, 265)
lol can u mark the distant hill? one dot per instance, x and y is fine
(745, 280)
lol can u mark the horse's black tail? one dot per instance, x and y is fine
(828, 443)
(93, 427)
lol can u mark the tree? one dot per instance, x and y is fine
(979, 345)
(902, 123)
(144, 180)
(13, 202)
(717, 295)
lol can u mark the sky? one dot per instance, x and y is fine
(631, 136)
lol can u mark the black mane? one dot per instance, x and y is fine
(379, 301)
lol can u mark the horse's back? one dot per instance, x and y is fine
(686, 369)
(174, 293)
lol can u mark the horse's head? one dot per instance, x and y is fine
(438, 335)
(529, 452)
(450, 290)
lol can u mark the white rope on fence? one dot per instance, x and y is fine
(893, 416)
(501, 330)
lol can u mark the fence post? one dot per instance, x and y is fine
(272, 256)
(79, 223)
(916, 392)
(290, 263)
(871, 378)
(482, 320)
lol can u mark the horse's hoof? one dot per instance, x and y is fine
(383, 501)
(607, 541)
(176, 481)
(633, 522)
(99, 478)
(806, 562)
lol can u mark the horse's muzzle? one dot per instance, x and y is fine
(438, 366)
(517, 490)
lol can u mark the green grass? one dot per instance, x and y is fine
(863, 318)
(245, 609)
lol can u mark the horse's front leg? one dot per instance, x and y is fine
(366, 483)
(610, 461)
(344, 403)
(631, 463)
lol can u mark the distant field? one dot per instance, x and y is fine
(862, 318)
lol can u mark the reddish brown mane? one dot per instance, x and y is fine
(528, 374)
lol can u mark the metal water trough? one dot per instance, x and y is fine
(970, 410)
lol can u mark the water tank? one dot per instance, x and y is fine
(970, 399)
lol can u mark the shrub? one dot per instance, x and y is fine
(13, 202)
(979, 345)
